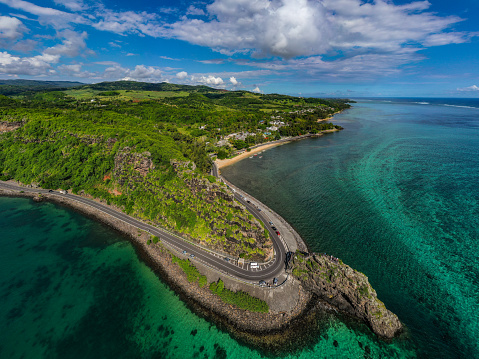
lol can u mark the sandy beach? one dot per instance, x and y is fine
(265, 146)
(230, 161)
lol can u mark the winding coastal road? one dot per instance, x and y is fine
(244, 272)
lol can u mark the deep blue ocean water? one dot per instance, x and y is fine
(394, 195)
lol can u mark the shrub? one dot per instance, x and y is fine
(192, 273)
(222, 154)
(203, 281)
(239, 299)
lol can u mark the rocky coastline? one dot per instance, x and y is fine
(274, 331)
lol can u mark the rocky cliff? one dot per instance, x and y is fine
(346, 289)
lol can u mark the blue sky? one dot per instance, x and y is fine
(346, 48)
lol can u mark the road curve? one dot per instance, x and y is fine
(268, 271)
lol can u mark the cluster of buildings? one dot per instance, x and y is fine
(274, 126)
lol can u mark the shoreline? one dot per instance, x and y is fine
(270, 331)
(266, 146)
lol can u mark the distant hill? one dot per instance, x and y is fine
(146, 86)
(17, 87)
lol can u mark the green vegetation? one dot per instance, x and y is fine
(239, 299)
(364, 291)
(192, 273)
(203, 281)
(146, 148)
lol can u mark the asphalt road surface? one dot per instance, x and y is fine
(264, 272)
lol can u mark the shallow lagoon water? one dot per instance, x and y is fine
(392, 195)
(395, 196)
(73, 288)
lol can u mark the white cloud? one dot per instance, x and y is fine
(449, 38)
(256, 89)
(56, 18)
(107, 63)
(356, 67)
(114, 44)
(169, 58)
(182, 75)
(292, 28)
(73, 5)
(139, 73)
(233, 81)
(192, 10)
(34, 66)
(25, 45)
(11, 28)
(208, 80)
(32, 8)
(75, 70)
(472, 88)
(127, 22)
(213, 61)
(144, 72)
(372, 37)
(73, 44)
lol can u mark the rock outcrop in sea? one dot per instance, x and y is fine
(345, 289)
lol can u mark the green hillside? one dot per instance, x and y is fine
(148, 151)
(17, 87)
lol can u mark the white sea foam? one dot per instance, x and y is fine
(460, 106)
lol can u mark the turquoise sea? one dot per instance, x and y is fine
(394, 195)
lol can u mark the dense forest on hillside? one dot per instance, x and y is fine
(147, 149)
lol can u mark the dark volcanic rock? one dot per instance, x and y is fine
(346, 289)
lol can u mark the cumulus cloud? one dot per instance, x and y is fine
(360, 37)
(34, 66)
(144, 72)
(182, 75)
(11, 28)
(472, 88)
(75, 70)
(233, 81)
(292, 28)
(256, 89)
(73, 44)
(208, 80)
(139, 73)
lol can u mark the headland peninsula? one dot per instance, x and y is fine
(139, 157)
